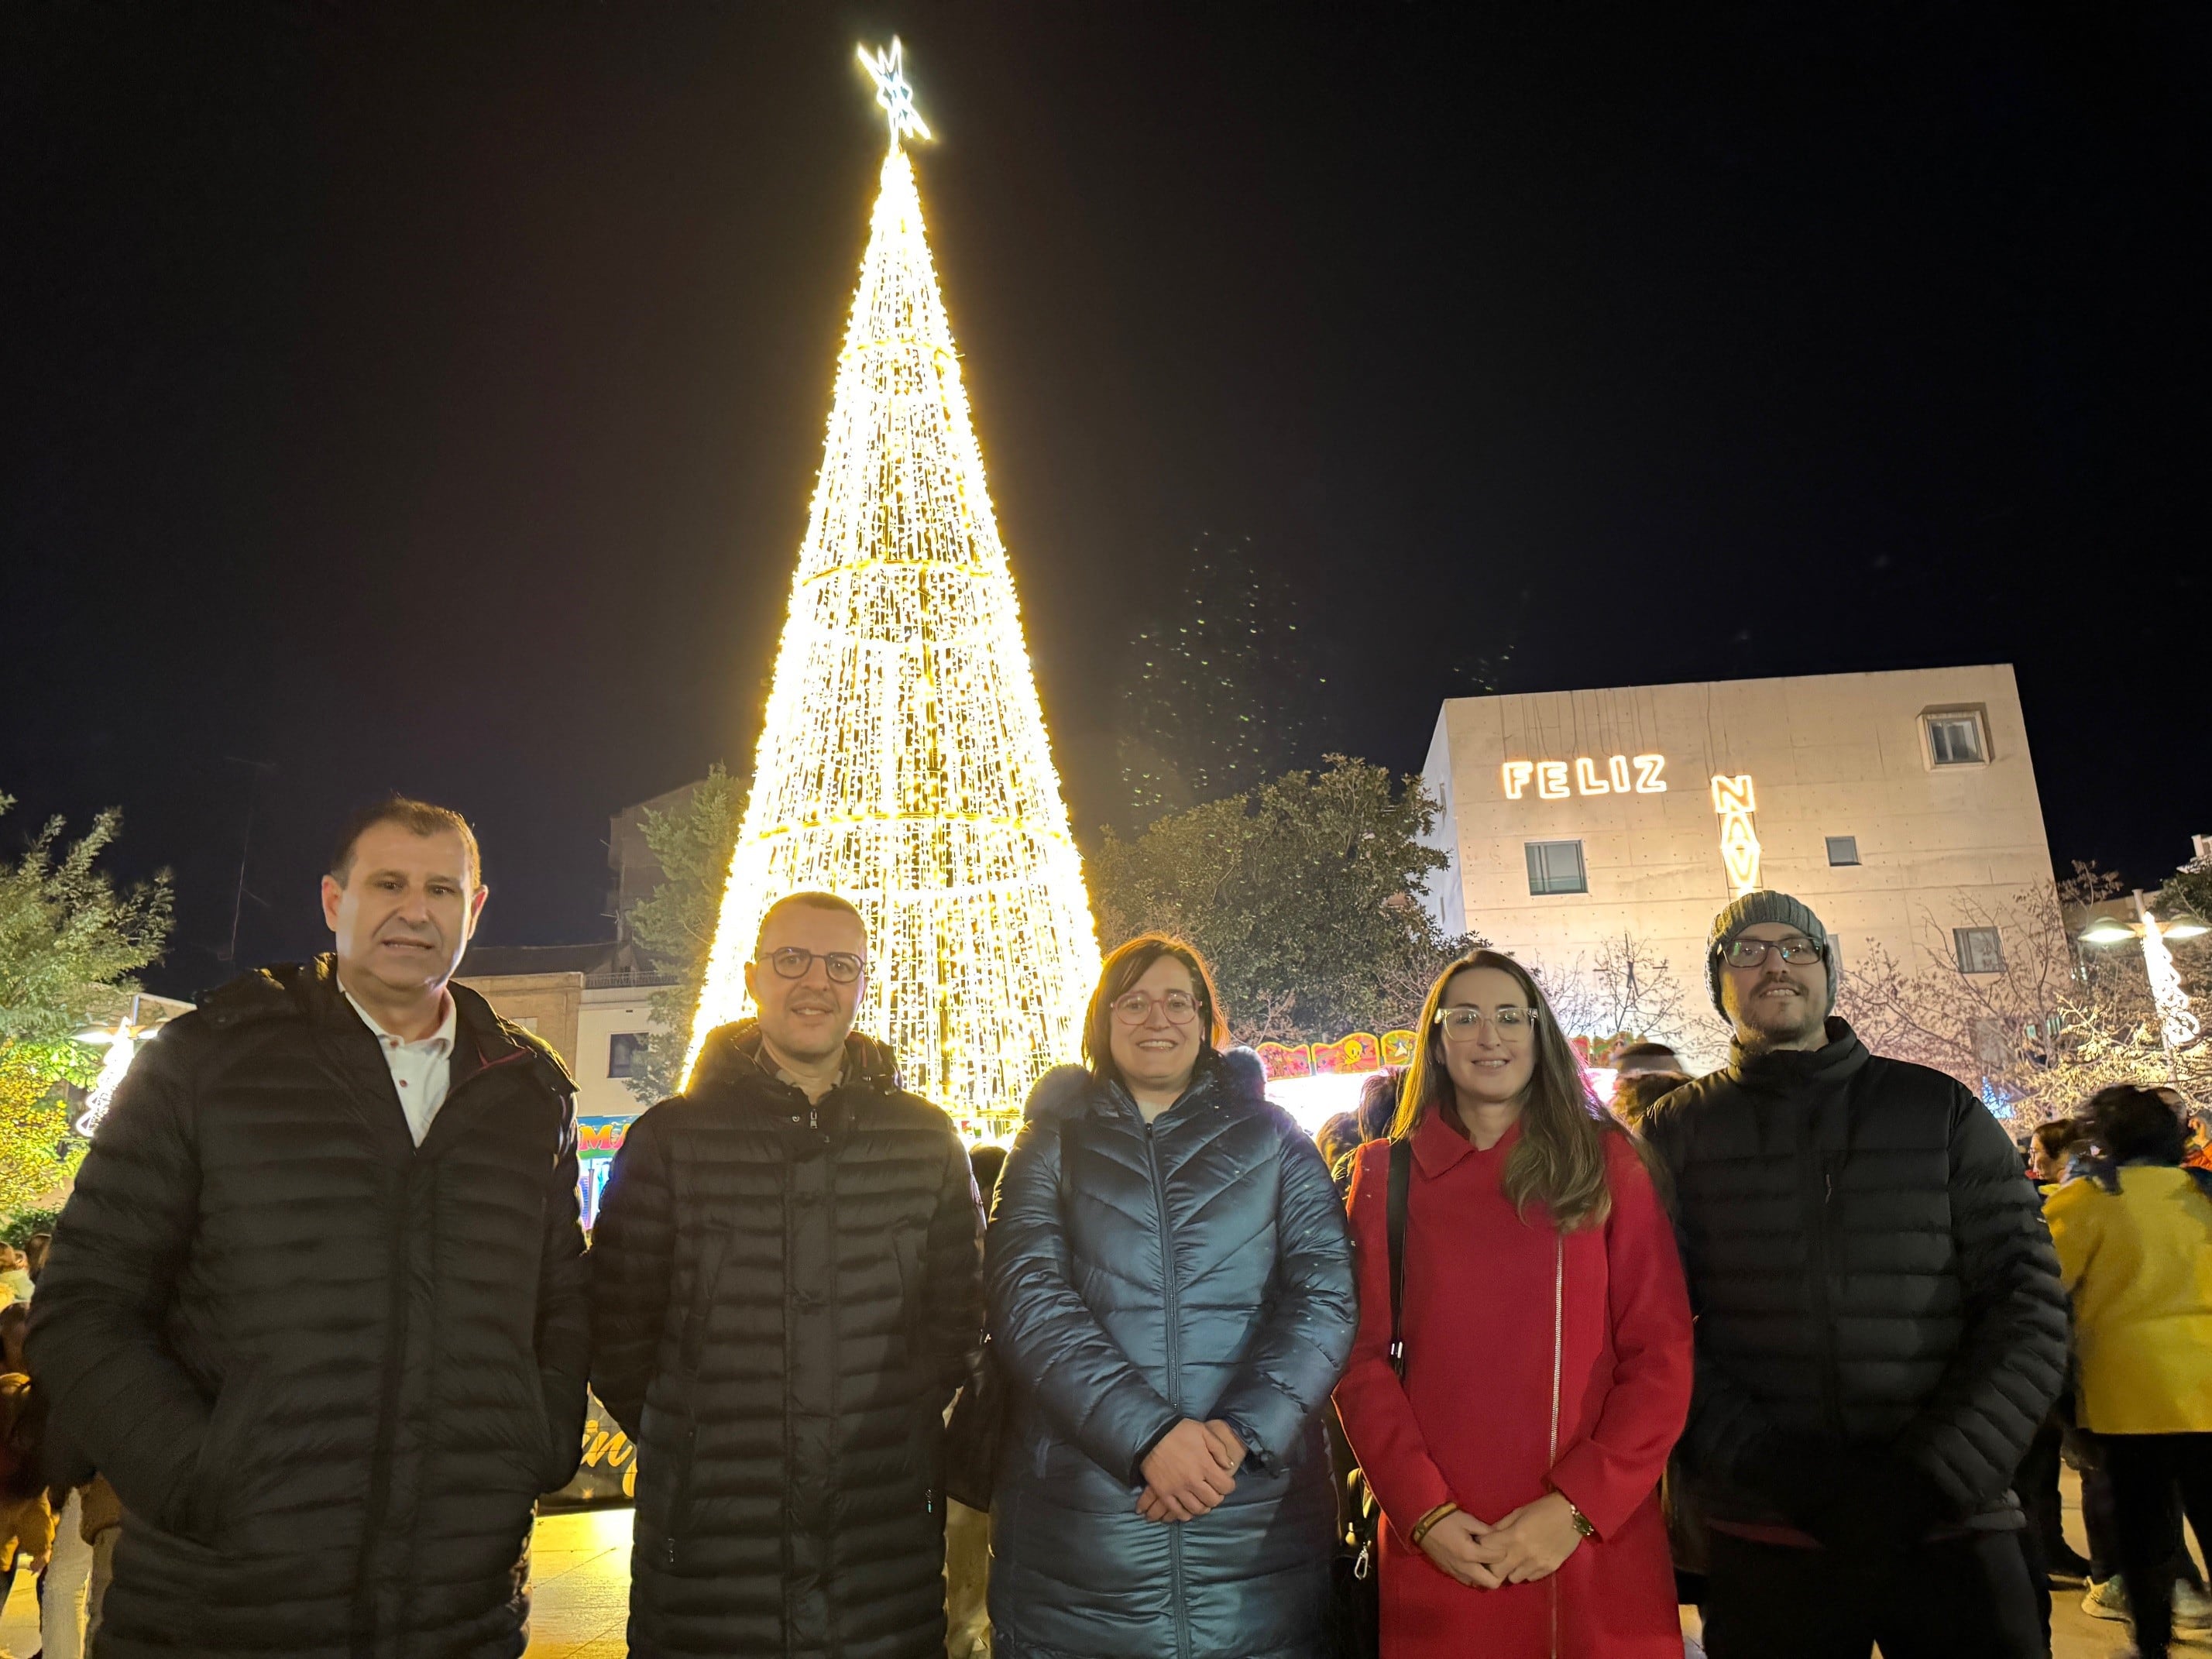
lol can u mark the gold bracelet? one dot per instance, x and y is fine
(1421, 1527)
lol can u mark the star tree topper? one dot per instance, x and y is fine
(893, 93)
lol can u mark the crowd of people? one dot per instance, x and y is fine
(1788, 1340)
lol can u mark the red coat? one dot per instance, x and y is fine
(1533, 1360)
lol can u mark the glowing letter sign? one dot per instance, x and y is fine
(1591, 776)
(1733, 800)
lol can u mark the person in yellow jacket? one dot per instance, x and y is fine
(2135, 1251)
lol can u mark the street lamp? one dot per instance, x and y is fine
(2177, 1026)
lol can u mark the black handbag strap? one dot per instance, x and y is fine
(1401, 1181)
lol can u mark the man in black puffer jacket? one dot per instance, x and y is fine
(786, 1291)
(1879, 1326)
(317, 1308)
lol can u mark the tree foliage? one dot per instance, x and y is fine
(1303, 894)
(68, 940)
(674, 925)
(38, 1152)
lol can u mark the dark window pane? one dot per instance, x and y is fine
(1843, 849)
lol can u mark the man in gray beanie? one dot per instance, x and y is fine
(1880, 1325)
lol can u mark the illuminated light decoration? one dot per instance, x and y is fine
(122, 1044)
(893, 93)
(1735, 801)
(2177, 1026)
(1551, 777)
(904, 763)
(597, 1141)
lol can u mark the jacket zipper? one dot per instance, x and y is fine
(1559, 1357)
(1168, 1299)
(395, 1365)
(1818, 1197)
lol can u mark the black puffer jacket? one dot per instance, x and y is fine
(1870, 1273)
(785, 1298)
(1141, 1274)
(328, 1372)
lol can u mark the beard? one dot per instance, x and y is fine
(1766, 1022)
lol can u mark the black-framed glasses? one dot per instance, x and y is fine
(1135, 1008)
(1752, 952)
(789, 961)
(1510, 1023)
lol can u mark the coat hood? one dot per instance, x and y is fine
(1064, 1092)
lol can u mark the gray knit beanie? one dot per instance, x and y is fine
(1749, 910)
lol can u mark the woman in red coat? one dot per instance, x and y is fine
(1546, 1360)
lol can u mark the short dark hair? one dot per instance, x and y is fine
(1128, 965)
(416, 817)
(809, 900)
(2135, 1124)
(985, 1163)
(1642, 1051)
(1636, 1094)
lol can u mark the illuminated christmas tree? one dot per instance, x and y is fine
(904, 763)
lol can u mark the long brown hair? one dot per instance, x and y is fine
(1560, 1161)
(1128, 965)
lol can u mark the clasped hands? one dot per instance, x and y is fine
(1527, 1544)
(1190, 1471)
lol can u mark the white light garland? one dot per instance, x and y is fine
(904, 763)
(2177, 1023)
(122, 1044)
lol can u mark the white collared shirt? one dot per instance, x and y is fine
(421, 1070)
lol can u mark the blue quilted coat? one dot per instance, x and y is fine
(1198, 1267)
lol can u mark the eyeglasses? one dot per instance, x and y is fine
(1752, 952)
(1135, 1008)
(843, 967)
(1510, 1024)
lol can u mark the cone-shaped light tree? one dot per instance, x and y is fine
(904, 763)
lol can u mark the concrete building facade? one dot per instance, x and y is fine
(1901, 806)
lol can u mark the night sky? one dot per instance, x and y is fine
(431, 399)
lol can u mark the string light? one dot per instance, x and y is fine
(904, 763)
(2178, 1024)
(121, 1045)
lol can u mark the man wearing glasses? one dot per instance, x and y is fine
(1879, 1326)
(787, 1290)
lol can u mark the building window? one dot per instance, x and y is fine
(1556, 867)
(626, 1054)
(1956, 740)
(1843, 849)
(1980, 950)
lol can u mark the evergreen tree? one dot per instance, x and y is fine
(674, 925)
(904, 762)
(1305, 895)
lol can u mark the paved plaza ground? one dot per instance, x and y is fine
(580, 1567)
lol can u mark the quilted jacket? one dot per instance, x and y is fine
(328, 1372)
(785, 1297)
(1198, 1267)
(1868, 1270)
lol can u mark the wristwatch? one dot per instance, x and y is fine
(1583, 1525)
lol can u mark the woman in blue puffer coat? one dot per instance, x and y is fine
(1171, 1291)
